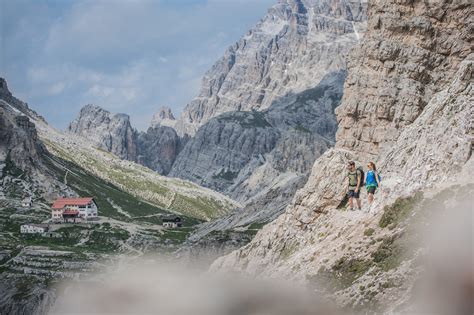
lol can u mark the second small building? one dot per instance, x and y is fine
(172, 222)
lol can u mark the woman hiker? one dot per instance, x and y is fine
(372, 181)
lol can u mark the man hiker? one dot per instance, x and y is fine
(354, 182)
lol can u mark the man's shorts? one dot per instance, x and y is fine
(371, 189)
(353, 194)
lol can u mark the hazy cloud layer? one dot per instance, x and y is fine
(126, 56)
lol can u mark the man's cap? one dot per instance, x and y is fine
(351, 163)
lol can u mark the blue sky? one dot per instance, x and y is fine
(124, 55)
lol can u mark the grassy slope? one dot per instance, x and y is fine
(107, 196)
(171, 194)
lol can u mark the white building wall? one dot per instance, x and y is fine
(89, 211)
(56, 214)
(170, 225)
(31, 229)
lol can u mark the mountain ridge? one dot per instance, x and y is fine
(290, 50)
(164, 192)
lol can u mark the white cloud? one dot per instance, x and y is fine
(123, 55)
(56, 88)
(37, 74)
(100, 91)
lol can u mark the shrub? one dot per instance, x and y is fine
(393, 214)
(369, 232)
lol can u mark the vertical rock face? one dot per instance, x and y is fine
(223, 147)
(23, 168)
(15, 103)
(7, 96)
(408, 106)
(19, 144)
(411, 52)
(290, 50)
(159, 147)
(112, 133)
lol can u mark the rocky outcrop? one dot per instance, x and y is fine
(222, 148)
(19, 146)
(19, 143)
(439, 144)
(15, 103)
(412, 51)
(243, 153)
(159, 147)
(408, 106)
(26, 286)
(290, 50)
(164, 117)
(23, 172)
(112, 133)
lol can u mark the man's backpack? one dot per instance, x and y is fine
(362, 176)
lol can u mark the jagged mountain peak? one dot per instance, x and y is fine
(97, 110)
(156, 148)
(288, 51)
(163, 117)
(111, 132)
(4, 86)
(165, 113)
(7, 96)
(92, 107)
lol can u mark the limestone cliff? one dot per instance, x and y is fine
(407, 105)
(412, 51)
(23, 172)
(19, 144)
(158, 148)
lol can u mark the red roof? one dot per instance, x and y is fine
(63, 202)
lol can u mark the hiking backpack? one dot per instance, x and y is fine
(362, 176)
